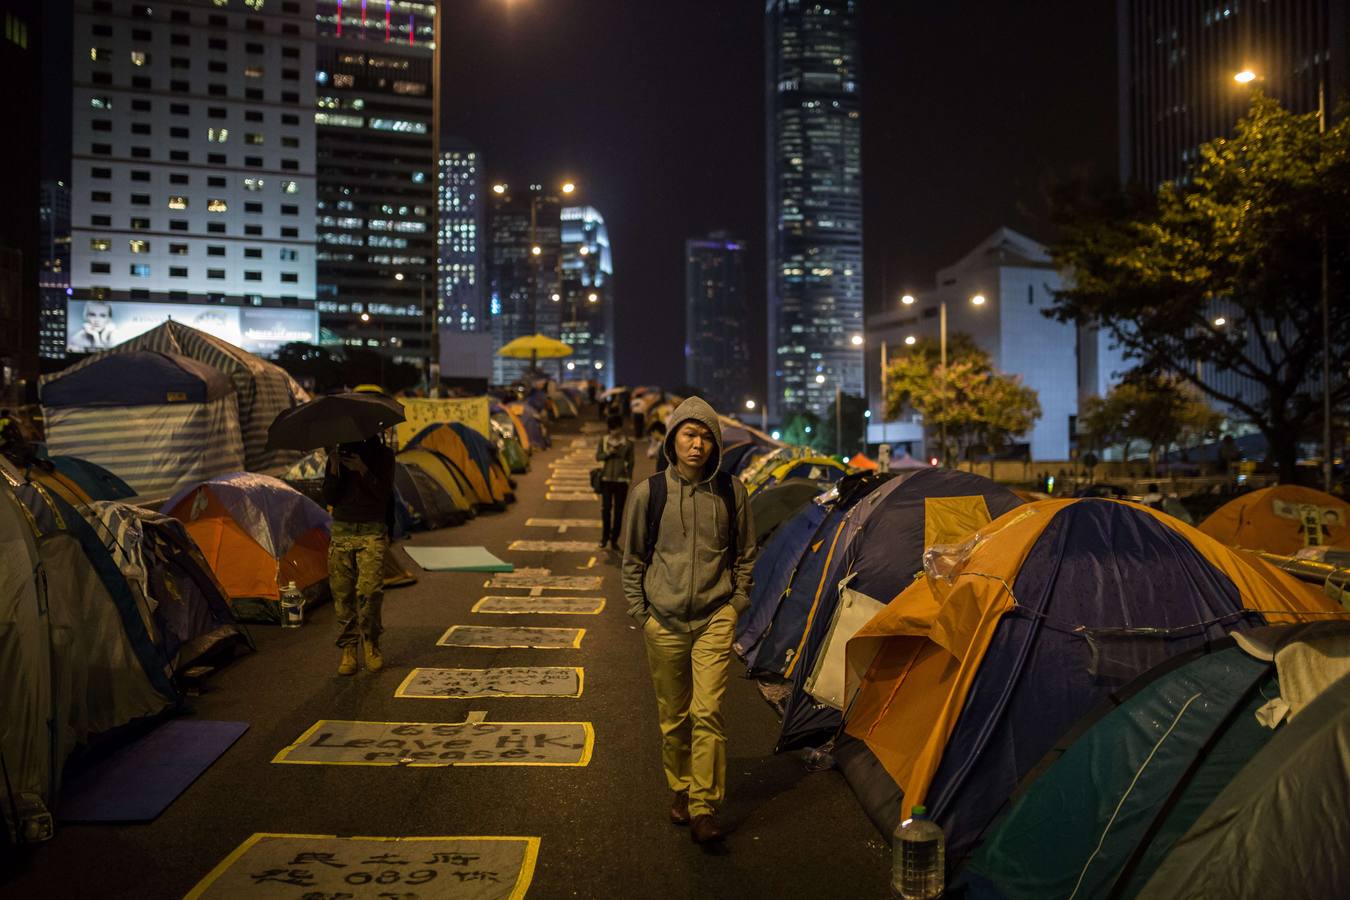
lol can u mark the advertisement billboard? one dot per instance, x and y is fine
(94, 325)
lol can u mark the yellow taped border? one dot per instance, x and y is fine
(575, 645)
(527, 864)
(599, 606)
(587, 728)
(580, 673)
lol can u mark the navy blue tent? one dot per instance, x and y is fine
(773, 572)
(97, 482)
(141, 377)
(484, 453)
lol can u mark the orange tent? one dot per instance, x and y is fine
(441, 438)
(1282, 519)
(862, 461)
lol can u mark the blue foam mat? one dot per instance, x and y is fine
(457, 559)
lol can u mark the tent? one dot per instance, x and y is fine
(93, 479)
(448, 476)
(536, 432)
(506, 416)
(187, 611)
(862, 461)
(157, 420)
(881, 550)
(759, 468)
(261, 388)
(819, 470)
(1107, 805)
(50, 479)
(905, 463)
(774, 505)
(432, 506)
(1282, 519)
(257, 533)
(967, 678)
(488, 458)
(446, 441)
(76, 659)
(774, 567)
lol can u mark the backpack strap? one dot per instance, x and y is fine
(656, 504)
(727, 491)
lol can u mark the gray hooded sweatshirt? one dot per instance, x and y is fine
(690, 576)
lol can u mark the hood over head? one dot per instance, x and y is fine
(700, 411)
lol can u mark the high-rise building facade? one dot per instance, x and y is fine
(716, 355)
(587, 294)
(814, 203)
(376, 209)
(54, 275)
(21, 66)
(524, 270)
(192, 171)
(460, 239)
(1177, 61)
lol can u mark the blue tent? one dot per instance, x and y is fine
(97, 482)
(484, 453)
(773, 572)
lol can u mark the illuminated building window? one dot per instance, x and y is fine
(99, 244)
(217, 135)
(253, 184)
(136, 245)
(253, 137)
(217, 205)
(139, 58)
(253, 71)
(178, 203)
(289, 187)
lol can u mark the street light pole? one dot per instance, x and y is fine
(942, 356)
(1326, 313)
(838, 419)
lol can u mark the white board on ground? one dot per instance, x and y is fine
(543, 578)
(502, 637)
(507, 681)
(563, 524)
(573, 606)
(340, 742)
(290, 866)
(553, 546)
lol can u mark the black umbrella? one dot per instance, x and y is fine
(336, 419)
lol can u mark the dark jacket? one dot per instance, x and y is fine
(361, 496)
(617, 461)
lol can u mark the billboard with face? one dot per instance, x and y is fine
(94, 325)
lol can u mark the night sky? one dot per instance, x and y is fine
(656, 109)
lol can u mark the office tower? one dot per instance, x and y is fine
(814, 167)
(716, 358)
(54, 275)
(524, 270)
(376, 208)
(460, 268)
(192, 173)
(587, 294)
(1177, 63)
(21, 66)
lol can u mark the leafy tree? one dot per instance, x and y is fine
(802, 429)
(1160, 411)
(1219, 275)
(1006, 409)
(853, 426)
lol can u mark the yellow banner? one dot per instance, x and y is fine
(419, 413)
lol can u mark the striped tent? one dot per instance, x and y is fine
(158, 421)
(261, 388)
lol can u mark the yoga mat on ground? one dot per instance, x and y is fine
(457, 559)
(138, 782)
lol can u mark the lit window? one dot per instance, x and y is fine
(139, 57)
(253, 184)
(253, 71)
(100, 103)
(178, 203)
(138, 246)
(401, 125)
(215, 204)
(289, 187)
(100, 54)
(140, 270)
(343, 80)
(217, 135)
(323, 118)
(253, 137)
(99, 244)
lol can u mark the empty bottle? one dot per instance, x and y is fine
(292, 606)
(917, 866)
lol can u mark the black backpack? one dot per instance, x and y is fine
(656, 505)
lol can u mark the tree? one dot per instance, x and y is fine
(1219, 275)
(853, 422)
(1006, 409)
(802, 429)
(1160, 411)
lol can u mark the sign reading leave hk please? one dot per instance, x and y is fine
(419, 413)
(336, 742)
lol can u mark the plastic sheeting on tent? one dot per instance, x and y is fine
(967, 677)
(882, 543)
(93, 479)
(441, 438)
(485, 454)
(1282, 519)
(75, 656)
(261, 389)
(157, 420)
(257, 533)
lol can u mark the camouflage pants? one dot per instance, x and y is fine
(356, 578)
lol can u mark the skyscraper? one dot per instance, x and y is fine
(1177, 61)
(376, 211)
(54, 276)
(21, 66)
(814, 166)
(192, 171)
(587, 294)
(716, 358)
(460, 241)
(524, 270)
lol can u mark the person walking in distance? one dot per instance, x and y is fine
(689, 548)
(358, 485)
(615, 454)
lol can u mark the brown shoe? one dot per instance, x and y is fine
(374, 659)
(705, 829)
(348, 664)
(679, 808)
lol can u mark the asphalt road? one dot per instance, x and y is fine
(602, 827)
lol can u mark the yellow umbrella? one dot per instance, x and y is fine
(534, 346)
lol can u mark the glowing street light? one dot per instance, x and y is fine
(856, 340)
(1246, 76)
(555, 297)
(536, 250)
(820, 379)
(1220, 322)
(584, 251)
(977, 300)
(750, 404)
(568, 187)
(593, 297)
(398, 276)
(908, 299)
(365, 317)
(499, 189)
(911, 340)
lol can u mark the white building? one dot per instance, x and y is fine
(193, 176)
(1014, 276)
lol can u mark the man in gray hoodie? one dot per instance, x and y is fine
(689, 548)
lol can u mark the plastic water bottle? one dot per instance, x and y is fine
(292, 606)
(917, 867)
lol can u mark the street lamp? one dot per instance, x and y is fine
(593, 297)
(856, 340)
(1246, 76)
(908, 299)
(763, 414)
(1220, 322)
(568, 187)
(499, 189)
(976, 300)
(911, 340)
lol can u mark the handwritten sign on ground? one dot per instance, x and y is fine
(563, 524)
(419, 413)
(542, 578)
(508, 681)
(506, 637)
(335, 742)
(553, 546)
(571, 496)
(290, 866)
(567, 606)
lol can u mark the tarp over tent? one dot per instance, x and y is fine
(967, 678)
(1281, 519)
(156, 420)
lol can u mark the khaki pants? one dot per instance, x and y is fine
(356, 579)
(689, 672)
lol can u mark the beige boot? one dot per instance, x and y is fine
(374, 660)
(348, 664)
